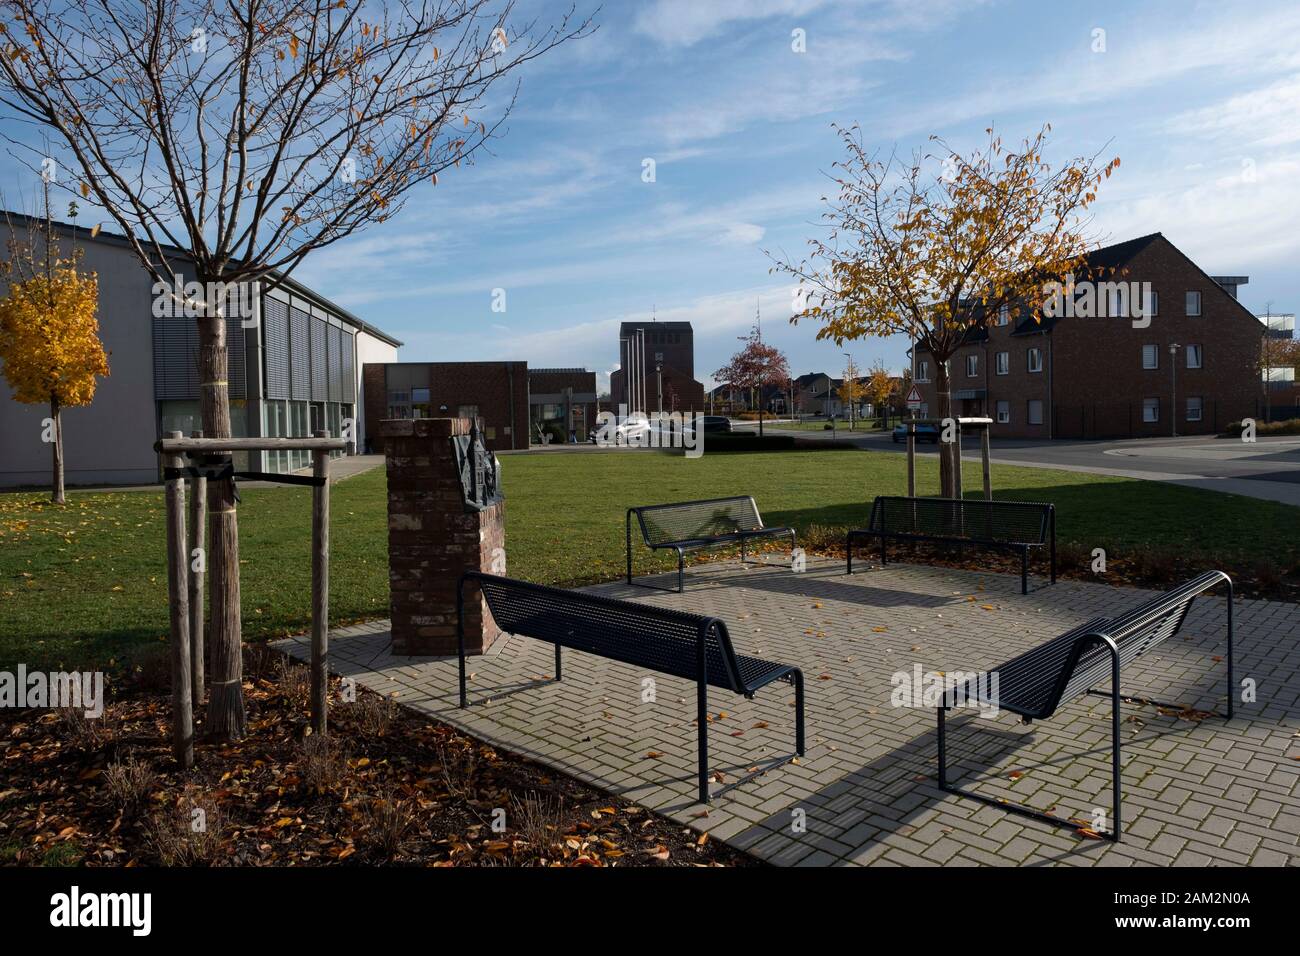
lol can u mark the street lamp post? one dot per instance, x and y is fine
(848, 385)
(1173, 388)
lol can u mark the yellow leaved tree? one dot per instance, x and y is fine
(50, 353)
(928, 247)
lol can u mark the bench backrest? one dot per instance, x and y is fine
(696, 520)
(1001, 522)
(1137, 631)
(655, 638)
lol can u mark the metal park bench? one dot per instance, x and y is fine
(695, 525)
(1035, 684)
(1011, 525)
(683, 645)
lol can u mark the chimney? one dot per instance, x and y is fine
(1230, 283)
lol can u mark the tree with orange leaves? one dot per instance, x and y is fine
(757, 366)
(928, 253)
(50, 351)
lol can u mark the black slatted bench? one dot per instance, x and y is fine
(1010, 525)
(1035, 684)
(670, 642)
(695, 525)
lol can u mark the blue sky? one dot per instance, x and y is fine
(1201, 101)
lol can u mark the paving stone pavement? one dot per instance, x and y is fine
(1211, 792)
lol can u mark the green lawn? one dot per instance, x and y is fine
(85, 583)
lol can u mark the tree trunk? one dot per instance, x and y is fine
(225, 715)
(947, 452)
(56, 413)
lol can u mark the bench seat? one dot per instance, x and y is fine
(679, 644)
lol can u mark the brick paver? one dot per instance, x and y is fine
(1196, 793)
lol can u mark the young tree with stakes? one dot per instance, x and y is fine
(930, 246)
(229, 140)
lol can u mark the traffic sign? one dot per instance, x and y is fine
(914, 399)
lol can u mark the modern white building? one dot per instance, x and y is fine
(294, 368)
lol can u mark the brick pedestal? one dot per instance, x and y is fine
(432, 539)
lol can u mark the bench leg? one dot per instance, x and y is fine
(1024, 570)
(681, 572)
(884, 556)
(1052, 524)
(943, 752)
(1232, 689)
(848, 550)
(460, 639)
(798, 713)
(558, 670)
(1030, 812)
(702, 721)
(629, 547)
(1114, 744)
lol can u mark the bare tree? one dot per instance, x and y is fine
(228, 139)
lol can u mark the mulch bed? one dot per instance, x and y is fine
(388, 787)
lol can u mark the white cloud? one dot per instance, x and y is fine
(1236, 220)
(687, 22)
(1261, 117)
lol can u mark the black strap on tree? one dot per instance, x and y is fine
(222, 468)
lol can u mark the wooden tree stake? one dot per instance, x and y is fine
(177, 592)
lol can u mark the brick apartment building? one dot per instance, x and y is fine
(495, 392)
(1075, 377)
(656, 368)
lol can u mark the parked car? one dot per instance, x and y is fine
(717, 423)
(928, 433)
(635, 429)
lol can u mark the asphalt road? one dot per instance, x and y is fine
(1268, 468)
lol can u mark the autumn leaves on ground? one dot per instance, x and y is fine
(83, 586)
(386, 787)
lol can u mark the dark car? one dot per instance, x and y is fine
(928, 433)
(717, 423)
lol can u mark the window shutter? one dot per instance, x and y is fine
(319, 361)
(299, 356)
(275, 322)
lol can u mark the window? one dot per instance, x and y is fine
(1150, 357)
(1004, 314)
(1193, 356)
(419, 396)
(1194, 405)
(1116, 302)
(1193, 302)
(923, 370)
(1035, 412)
(1153, 302)
(1035, 360)
(1151, 409)
(972, 366)
(1004, 363)
(1004, 413)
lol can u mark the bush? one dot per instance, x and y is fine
(1289, 427)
